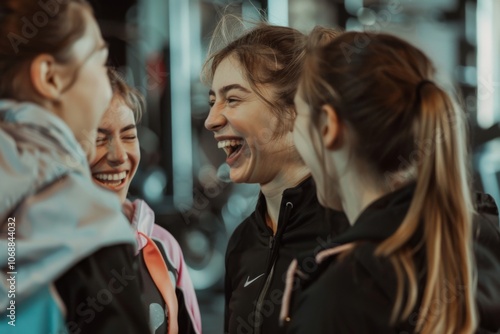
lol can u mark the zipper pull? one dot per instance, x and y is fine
(271, 241)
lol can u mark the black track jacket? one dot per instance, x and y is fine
(355, 292)
(257, 261)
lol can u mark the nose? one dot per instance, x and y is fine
(117, 154)
(215, 119)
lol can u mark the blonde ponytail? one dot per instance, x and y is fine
(382, 90)
(442, 203)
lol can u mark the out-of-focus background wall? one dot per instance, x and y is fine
(160, 46)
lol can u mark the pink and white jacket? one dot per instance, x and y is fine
(188, 313)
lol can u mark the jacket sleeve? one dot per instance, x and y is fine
(102, 294)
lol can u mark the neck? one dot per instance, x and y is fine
(357, 193)
(273, 190)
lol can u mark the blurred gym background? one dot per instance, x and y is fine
(160, 46)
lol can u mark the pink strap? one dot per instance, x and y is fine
(287, 294)
(293, 271)
(332, 251)
(159, 273)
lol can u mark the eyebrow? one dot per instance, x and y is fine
(107, 132)
(227, 88)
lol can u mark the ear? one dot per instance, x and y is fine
(331, 127)
(45, 77)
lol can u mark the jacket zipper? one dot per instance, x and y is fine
(274, 246)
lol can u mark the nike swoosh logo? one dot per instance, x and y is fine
(248, 282)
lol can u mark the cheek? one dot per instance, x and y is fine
(103, 95)
(108, 92)
(134, 154)
(309, 145)
(98, 94)
(297, 137)
(100, 152)
(301, 140)
(86, 135)
(263, 133)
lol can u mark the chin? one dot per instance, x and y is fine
(245, 172)
(241, 178)
(234, 176)
(235, 179)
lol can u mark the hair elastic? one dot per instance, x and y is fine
(418, 95)
(423, 83)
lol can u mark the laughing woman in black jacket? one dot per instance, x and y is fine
(378, 131)
(253, 81)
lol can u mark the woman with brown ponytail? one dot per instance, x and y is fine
(377, 130)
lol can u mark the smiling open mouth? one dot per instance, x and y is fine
(231, 147)
(111, 180)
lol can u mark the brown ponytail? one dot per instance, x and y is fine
(443, 203)
(404, 124)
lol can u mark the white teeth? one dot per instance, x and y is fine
(110, 176)
(232, 142)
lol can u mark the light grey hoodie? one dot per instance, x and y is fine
(60, 215)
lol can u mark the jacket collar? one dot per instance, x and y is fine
(300, 196)
(381, 218)
(143, 221)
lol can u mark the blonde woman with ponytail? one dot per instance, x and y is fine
(377, 131)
